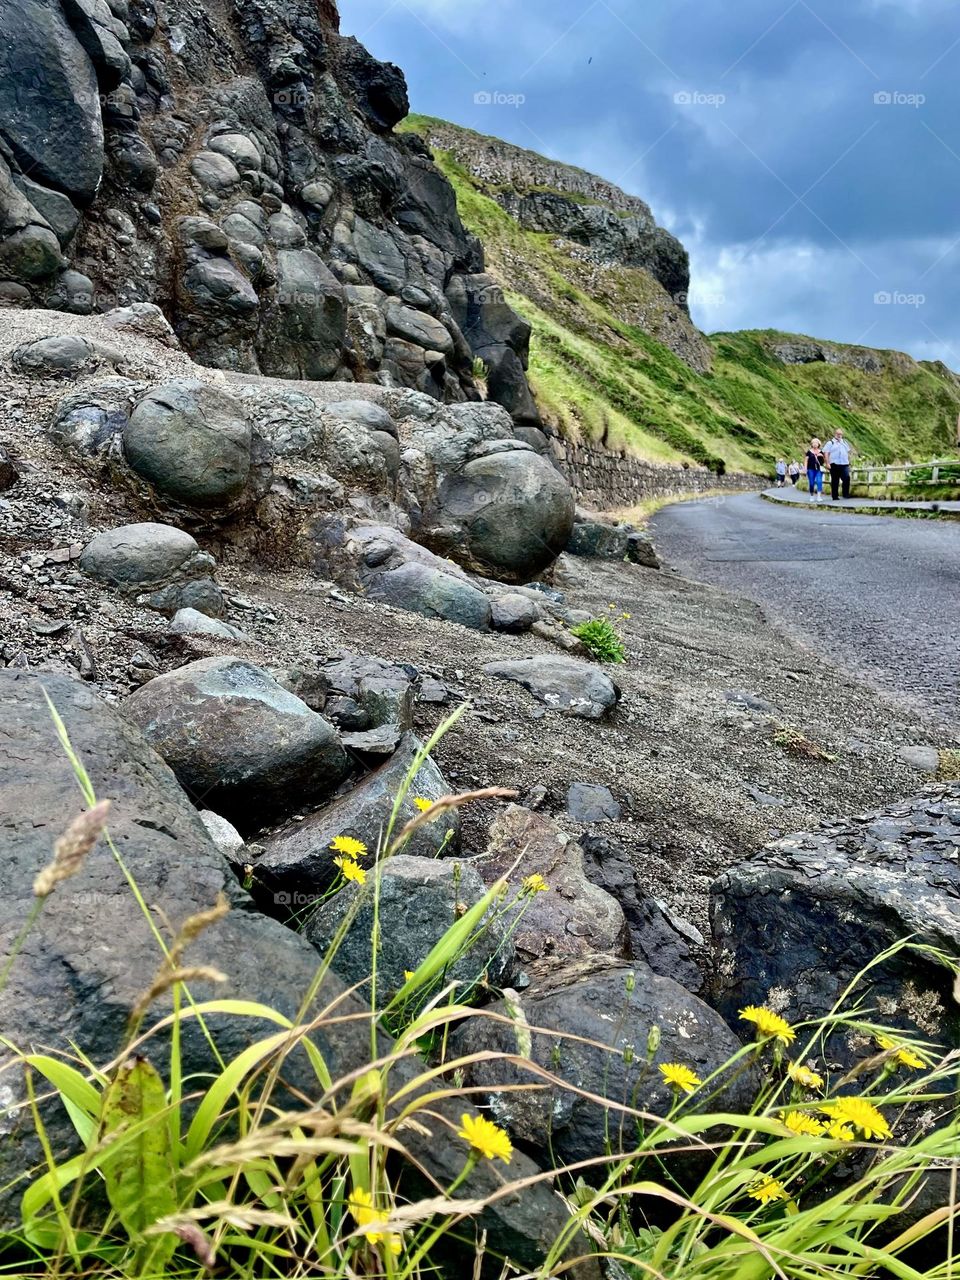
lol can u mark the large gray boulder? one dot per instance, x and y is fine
(486, 498)
(139, 555)
(237, 740)
(608, 1010)
(871, 881)
(565, 684)
(419, 899)
(302, 335)
(57, 356)
(515, 510)
(92, 952)
(49, 99)
(191, 441)
(422, 589)
(573, 918)
(161, 566)
(298, 859)
(388, 566)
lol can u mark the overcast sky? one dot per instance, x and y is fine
(806, 153)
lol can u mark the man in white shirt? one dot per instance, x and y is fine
(838, 460)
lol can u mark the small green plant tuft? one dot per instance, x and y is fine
(601, 638)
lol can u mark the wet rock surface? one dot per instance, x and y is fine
(872, 881)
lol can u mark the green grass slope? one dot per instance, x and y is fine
(606, 360)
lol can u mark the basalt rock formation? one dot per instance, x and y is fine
(238, 168)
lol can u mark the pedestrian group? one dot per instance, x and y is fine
(832, 457)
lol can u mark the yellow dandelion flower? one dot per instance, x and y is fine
(351, 870)
(408, 975)
(804, 1076)
(348, 846)
(903, 1055)
(679, 1077)
(485, 1137)
(767, 1190)
(535, 884)
(800, 1123)
(859, 1113)
(371, 1220)
(770, 1026)
(839, 1132)
(422, 803)
(626, 616)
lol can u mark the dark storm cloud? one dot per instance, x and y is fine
(806, 153)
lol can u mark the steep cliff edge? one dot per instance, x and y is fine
(234, 162)
(615, 357)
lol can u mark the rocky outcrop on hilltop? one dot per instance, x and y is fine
(605, 231)
(237, 167)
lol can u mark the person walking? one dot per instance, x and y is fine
(793, 471)
(838, 460)
(815, 470)
(781, 473)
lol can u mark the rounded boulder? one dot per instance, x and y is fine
(515, 511)
(237, 740)
(192, 442)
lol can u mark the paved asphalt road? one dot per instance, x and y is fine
(878, 594)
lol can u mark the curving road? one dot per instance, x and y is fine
(878, 595)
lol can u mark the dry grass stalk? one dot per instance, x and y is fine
(444, 805)
(71, 850)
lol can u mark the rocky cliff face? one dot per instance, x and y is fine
(234, 162)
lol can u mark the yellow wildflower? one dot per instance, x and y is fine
(348, 846)
(902, 1053)
(351, 870)
(371, 1220)
(408, 975)
(804, 1076)
(485, 1137)
(839, 1132)
(679, 1077)
(535, 884)
(422, 803)
(769, 1025)
(800, 1123)
(860, 1113)
(767, 1190)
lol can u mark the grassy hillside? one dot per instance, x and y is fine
(606, 361)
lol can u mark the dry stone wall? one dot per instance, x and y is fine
(604, 480)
